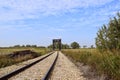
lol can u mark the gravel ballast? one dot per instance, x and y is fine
(6, 70)
(37, 71)
(66, 70)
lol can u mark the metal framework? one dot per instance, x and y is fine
(57, 44)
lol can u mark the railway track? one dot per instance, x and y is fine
(33, 69)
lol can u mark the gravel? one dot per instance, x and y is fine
(36, 72)
(9, 69)
(63, 70)
(66, 70)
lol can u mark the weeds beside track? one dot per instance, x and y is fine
(5, 60)
(103, 63)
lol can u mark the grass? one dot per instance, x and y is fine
(4, 51)
(103, 63)
(5, 60)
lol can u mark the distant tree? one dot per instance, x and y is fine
(92, 46)
(84, 46)
(42, 47)
(33, 45)
(50, 46)
(17, 46)
(23, 46)
(75, 45)
(65, 46)
(28, 45)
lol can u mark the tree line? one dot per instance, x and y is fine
(73, 45)
(28, 45)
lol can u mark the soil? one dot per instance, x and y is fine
(17, 54)
(88, 72)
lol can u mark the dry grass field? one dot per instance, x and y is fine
(104, 63)
(6, 60)
(4, 51)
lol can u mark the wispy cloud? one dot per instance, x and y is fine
(55, 18)
(20, 9)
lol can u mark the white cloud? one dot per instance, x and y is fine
(20, 9)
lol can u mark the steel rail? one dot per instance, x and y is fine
(11, 74)
(47, 75)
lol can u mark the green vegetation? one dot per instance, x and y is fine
(64, 46)
(107, 64)
(75, 45)
(108, 37)
(107, 60)
(4, 51)
(6, 60)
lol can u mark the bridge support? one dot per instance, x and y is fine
(57, 44)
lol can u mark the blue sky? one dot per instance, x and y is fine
(40, 21)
